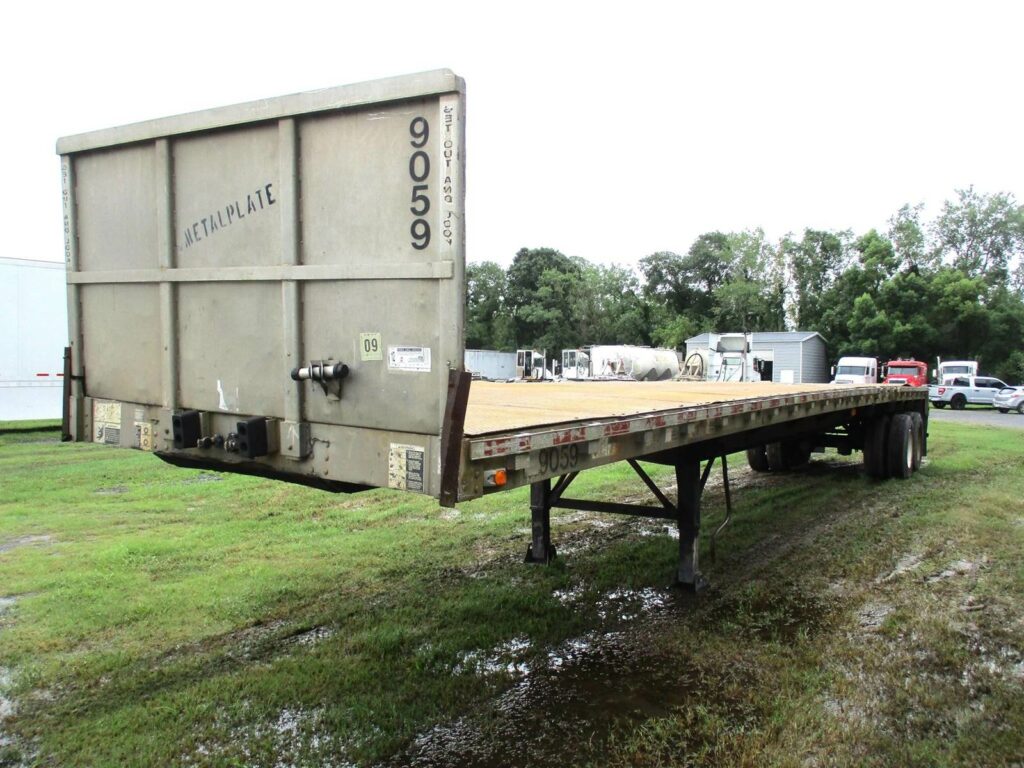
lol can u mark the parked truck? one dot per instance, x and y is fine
(855, 370)
(950, 369)
(228, 272)
(960, 391)
(908, 373)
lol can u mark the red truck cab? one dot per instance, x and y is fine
(910, 373)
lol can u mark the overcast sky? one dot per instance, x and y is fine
(608, 132)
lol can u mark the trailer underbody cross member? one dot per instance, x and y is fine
(690, 484)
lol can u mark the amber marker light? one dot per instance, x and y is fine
(496, 477)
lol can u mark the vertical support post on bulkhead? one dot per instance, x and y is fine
(689, 487)
(167, 260)
(76, 419)
(540, 550)
(65, 411)
(291, 253)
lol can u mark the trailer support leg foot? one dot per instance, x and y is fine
(688, 575)
(541, 550)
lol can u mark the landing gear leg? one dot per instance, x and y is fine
(688, 481)
(540, 550)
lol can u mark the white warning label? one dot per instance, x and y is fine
(409, 358)
(405, 467)
(106, 422)
(144, 435)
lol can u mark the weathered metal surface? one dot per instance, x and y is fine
(210, 254)
(543, 450)
(451, 435)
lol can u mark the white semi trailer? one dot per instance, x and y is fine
(277, 288)
(490, 364)
(33, 334)
(950, 369)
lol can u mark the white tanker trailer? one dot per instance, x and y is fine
(620, 361)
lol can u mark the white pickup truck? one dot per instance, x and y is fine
(962, 391)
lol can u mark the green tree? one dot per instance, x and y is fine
(609, 307)
(488, 320)
(673, 332)
(1002, 344)
(958, 313)
(982, 234)
(814, 263)
(907, 236)
(534, 311)
(667, 281)
(752, 296)
(548, 317)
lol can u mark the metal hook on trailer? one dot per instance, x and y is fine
(728, 504)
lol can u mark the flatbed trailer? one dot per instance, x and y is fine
(278, 288)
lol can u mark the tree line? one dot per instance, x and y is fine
(950, 287)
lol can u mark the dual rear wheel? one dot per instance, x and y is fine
(893, 445)
(778, 457)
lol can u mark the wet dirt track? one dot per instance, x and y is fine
(566, 702)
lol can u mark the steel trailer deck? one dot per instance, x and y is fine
(537, 430)
(531, 434)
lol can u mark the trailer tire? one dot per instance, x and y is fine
(901, 446)
(757, 459)
(876, 434)
(776, 454)
(959, 402)
(917, 421)
(796, 454)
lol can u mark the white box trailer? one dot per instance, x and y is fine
(277, 288)
(491, 364)
(33, 335)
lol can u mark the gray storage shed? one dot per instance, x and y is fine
(796, 357)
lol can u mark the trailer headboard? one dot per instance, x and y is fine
(274, 287)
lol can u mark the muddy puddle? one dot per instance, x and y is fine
(567, 701)
(24, 541)
(584, 689)
(8, 707)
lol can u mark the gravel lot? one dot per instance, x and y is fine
(984, 416)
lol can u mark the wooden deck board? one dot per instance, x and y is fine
(501, 407)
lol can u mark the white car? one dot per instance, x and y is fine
(1009, 399)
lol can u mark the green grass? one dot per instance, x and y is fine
(29, 425)
(168, 616)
